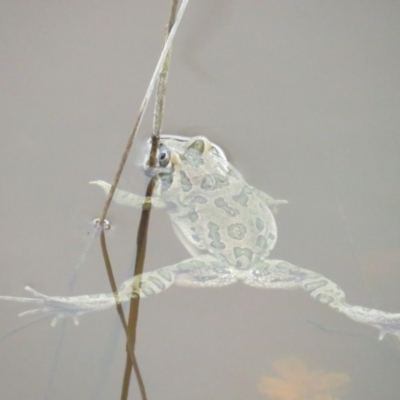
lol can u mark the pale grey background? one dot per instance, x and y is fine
(304, 98)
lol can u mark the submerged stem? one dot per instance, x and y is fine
(141, 239)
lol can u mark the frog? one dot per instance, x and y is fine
(228, 228)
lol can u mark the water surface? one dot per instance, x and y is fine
(304, 99)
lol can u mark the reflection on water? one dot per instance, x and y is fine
(296, 381)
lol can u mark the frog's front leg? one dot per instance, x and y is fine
(126, 198)
(269, 201)
(276, 274)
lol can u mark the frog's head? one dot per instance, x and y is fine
(186, 157)
(174, 151)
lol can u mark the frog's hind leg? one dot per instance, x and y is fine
(201, 271)
(205, 271)
(276, 274)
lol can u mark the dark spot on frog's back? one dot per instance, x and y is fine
(221, 203)
(221, 180)
(193, 158)
(214, 182)
(243, 256)
(215, 236)
(241, 198)
(196, 238)
(237, 231)
(166, 181)
(232, 173)
(208, 183)
(271, 238)
(259, 224)
(199, 199)
(261, 242)
(193, 216)
(185, 182)
(239, 251)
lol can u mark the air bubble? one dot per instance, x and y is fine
(106, 224)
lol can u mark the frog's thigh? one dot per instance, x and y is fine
(276, 274)
(204, 271)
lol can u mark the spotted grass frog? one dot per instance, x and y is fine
(228, 228)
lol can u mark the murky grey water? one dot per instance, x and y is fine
(304, 98)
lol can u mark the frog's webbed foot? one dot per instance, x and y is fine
(126, 198)
(276, 274)
(63, 307)
(385, 322)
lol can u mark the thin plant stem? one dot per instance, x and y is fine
(161, 89)
(142, 110)
(141, 242)
(141, 239)
(130, 348)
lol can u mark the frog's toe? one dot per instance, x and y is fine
(35, 292)
(58, 317)
(386, 323)
(103, 184)
(388, 330)
(59, 307)
(32, 312)
(279, 202)
(384, 332)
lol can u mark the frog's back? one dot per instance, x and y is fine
(214, 211)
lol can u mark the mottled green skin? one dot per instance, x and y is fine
(228, 228)
(214, 211)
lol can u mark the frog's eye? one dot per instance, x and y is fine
(163, 158)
